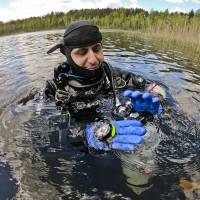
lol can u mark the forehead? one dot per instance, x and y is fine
(87, 46)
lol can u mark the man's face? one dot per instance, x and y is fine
(90, 57)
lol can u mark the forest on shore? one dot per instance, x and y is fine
(186, 25)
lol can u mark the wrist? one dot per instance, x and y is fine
(157, 90)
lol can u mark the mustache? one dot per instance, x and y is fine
(93, 67)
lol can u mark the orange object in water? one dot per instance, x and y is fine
(189, 185)
(146, 173)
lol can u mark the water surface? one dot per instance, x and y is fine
(38, 162)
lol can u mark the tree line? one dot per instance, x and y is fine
(119, 18)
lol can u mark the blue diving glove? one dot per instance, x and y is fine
(120, 135)
(144, 102)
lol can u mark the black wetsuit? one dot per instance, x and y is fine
(88, 94)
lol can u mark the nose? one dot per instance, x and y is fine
(92, 59)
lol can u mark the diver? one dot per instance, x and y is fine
(85, 80)
(108, 105)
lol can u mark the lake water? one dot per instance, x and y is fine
(36, 161)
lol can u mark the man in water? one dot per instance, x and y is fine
(84, 86)
(85, 80)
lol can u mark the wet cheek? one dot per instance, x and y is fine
(80, 61)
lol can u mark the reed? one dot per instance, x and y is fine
(187, 44)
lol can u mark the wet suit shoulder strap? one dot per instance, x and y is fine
(108, 72)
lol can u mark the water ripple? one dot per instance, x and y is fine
(40, 157)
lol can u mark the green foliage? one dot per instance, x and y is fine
(120, 18)
(191, 14)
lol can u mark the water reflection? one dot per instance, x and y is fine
(47, 162)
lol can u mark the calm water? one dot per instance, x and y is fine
(37, 160)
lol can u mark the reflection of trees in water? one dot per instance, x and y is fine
(72, 170)
(52, 156)
(180, 142)
(76, 173)
(123, 41)
(176, 158)
(9, 186)
(178, 152)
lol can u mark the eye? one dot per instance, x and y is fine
(97, 48)
(82, 51)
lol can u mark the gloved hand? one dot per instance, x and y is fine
(144, 101)
(121, 135)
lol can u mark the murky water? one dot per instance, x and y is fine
(39, 159)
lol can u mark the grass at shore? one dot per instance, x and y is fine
(186, 43)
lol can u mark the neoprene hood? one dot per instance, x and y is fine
(78, 34)
(81, 33)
